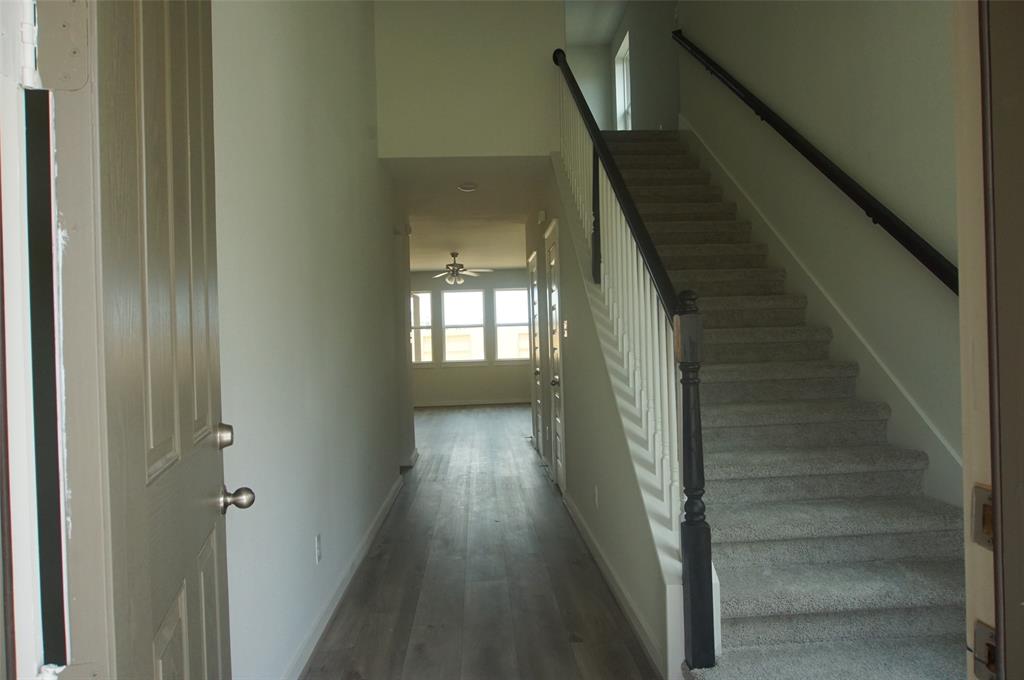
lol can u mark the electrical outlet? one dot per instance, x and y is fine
(597, 499)
(318, 549)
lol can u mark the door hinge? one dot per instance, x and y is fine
(983, 517)
(986, 664)
(62, 44)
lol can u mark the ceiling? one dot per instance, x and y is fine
(592, 22)
(487, 227)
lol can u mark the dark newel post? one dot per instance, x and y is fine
(595, 234)
(698, 598)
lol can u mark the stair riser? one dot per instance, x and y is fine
(885, 624)
(926, 545)
(669, 237)
(677, 194)
(656, 161)
(858, 485)
(777, 390)
(750, 318)
(752, 352)
(660, 177)
(712, 261)
(795, 435)
(728, 288)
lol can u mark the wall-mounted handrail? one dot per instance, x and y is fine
(644, 243)
(876, 211)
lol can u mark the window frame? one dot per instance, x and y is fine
(413, 329)
(496, 325)
(623, 91)
(482, 326)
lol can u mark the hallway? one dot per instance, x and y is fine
(478, 572)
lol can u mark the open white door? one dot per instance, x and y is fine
(159, 376)
(555, 354)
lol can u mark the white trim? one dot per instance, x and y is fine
(24, 558)
(305, 653)
(653, 651)
(413, 457)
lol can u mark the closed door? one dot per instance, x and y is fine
(555, 357)
(537, 386)
(161, 348)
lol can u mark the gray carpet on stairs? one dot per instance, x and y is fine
(832, 563)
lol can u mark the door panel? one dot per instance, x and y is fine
(163, 383)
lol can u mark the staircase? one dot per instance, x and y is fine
(832, 563)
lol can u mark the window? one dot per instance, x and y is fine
(511, 318)
(420, 336)
(623, 102)
(463, 325)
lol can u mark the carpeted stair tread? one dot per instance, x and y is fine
(794, 589)
(769, 413)
(774, 463)
(664, 176)
(715, 304)
(777, 370)
(940, 658)
(831, 517)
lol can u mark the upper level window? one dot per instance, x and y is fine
(420, 335)
(463, 325)
(511, 318)
(623, 100)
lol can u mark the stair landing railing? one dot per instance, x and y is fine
(659, 336)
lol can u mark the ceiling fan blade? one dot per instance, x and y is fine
(468, 272)
(477, 269)
(440, 275)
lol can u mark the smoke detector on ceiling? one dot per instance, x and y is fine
(467, 187)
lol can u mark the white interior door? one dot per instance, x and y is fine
(161, 348)
(537, 387)
(555, 356)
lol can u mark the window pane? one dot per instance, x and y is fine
(513, 342)
(511, 306)
(422, 351)
(464, 308)
(464, 344)
(420, 307)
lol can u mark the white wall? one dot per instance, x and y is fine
(303, 225)
(467, 78)
(486, 382)
(653, 63)
(594, 71)
(872, 85)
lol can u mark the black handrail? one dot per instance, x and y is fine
(876, 211)
(644, 243)
(687, 325)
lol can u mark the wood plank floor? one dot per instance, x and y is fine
(478, 572)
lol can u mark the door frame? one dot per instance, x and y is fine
(1003, 142)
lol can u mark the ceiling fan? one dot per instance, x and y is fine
(455, 270)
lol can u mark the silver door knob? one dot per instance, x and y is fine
(536, 371)
(242, 498)
(556, 381)
(225, 435)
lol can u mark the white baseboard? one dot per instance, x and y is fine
(655, 654)
(305, 652)
(411, 460)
